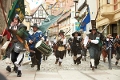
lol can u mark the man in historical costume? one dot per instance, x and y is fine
(100, 44)
(61, 43)
(17, 49)
(109, 43)
(32, 40)
(117, 48)
(91, 42)
(76, 47)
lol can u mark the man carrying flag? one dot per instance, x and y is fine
(17, 32)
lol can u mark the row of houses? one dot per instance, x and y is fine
(109, 13)
(71, 20)
(102, 13)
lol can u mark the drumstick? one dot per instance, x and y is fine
(19, 39)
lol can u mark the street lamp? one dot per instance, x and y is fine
(76, 12)
(77, 17)
(75, 1)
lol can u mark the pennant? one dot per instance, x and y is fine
(49, 21)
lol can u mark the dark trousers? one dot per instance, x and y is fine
(36, 57)
(94, 54)
(60, 54)
(14, 56)
(17, 57)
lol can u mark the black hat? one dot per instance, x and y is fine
(93, 28)
(61, 31)
(35, 25)
(73, 34)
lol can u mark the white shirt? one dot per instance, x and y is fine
(92, 41)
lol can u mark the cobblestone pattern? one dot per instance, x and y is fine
(50, 66)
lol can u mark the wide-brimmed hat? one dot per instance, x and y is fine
(76, 32)
(61, 32)
(35, 25)
(93, 28)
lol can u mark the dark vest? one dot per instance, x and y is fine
(93, 37)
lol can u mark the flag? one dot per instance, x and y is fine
(85, 21)
(77, 27)
(17, 8)
(49, 21)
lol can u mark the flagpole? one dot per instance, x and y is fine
(97, 11)
(3, 15)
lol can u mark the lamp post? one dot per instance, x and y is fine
(77, 17)
(75, 1)
(76, 12)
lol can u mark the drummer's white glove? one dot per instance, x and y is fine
(30, 41)
(42, 38)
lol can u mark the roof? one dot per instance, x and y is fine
(65, 16)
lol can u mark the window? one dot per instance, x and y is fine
(108, 1)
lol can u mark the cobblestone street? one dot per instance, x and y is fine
(50, 66)
(68, 70)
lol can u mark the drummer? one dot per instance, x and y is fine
(32, 40)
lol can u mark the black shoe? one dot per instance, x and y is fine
(93, 68)
(38, 67)
(90, 65)
(78, 62)
(116, 63)
(60, 63)
(56, 61)
(74, 61)
(15, 69)
(8, 68)
(19, 74)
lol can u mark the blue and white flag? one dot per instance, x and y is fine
(86, 20)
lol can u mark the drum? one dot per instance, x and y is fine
(43, 48)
